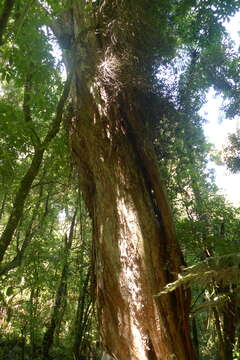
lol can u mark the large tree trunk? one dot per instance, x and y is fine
(135, 250)
(135, 247)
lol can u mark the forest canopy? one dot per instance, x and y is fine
(115, 240)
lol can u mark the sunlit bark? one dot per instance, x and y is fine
(135, 250)
(60, 297)
(135, 247)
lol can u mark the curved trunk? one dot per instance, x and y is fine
(135, 250)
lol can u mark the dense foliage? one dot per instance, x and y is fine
(46, 293)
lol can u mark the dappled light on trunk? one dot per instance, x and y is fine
(91, 264)
(135, 250)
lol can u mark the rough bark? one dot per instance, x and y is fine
(135, 249)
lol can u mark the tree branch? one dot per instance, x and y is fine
(27, 111)
(26, 183)
(54, 128)
(17, 260)
(4, 17)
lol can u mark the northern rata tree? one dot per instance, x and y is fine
(112, 50)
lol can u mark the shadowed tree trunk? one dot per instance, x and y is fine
(135, 249)
(60, 297)
(230, 318)
(84, 307)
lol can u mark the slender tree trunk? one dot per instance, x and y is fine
(85, 301)
(4, 17)
(195, 336)
(60, 298)
(34, 295)
(229, 313)
(81, 319)
(219, 333)
(55, 321)
(18, 205)
(2, 209)
(17, 260)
